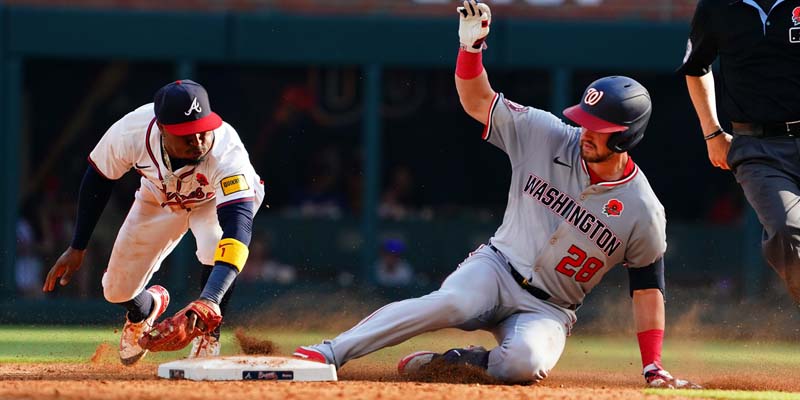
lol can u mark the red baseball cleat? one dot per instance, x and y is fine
(310, 354)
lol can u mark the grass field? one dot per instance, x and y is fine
(727, 394)
(704, 360)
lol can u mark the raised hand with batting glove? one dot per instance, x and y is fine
(474, 24)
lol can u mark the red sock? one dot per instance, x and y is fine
(469, 65)
(650, 343)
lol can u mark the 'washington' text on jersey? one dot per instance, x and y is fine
(564, 206)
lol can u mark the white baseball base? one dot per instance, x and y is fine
(244, 368)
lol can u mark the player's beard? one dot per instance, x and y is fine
(198, 160)
(194, 161)
(596, 156)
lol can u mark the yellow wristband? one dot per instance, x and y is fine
(232, 252)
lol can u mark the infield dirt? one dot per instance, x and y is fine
(102, 377)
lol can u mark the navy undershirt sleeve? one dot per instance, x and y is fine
(236, 220)
(92, 199)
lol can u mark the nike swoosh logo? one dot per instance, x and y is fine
(141, 166)
(559, 162)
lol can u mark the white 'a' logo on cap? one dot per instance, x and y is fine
(194, 107)
(593, 96)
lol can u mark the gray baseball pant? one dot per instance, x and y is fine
(480, 294)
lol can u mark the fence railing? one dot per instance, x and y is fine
(661, 10)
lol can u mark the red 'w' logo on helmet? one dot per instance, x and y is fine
(593, 96)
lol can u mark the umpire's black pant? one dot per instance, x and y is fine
(768, 169)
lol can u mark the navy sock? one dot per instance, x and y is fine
(478, 357)
(139, 307)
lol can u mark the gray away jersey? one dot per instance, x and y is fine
(559, 231)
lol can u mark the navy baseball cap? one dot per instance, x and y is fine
(184, 109)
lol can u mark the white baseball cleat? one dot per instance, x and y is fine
(129, 350)
(414, 361)
(205, 346)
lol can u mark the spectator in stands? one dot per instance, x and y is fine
(291, 113)
(354, 183)
(262, 267)
(392, 270)
(320, 197)
(398, 200)
(283, 142)
(55, 209)
(726, 208)
(28, 266)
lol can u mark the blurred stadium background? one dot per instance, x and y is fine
(378, 183)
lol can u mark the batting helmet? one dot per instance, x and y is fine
(617, 105)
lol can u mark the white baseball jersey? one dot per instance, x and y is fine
(135, 141)
(159, 216)
(559, 231)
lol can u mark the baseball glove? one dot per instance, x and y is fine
(176, 332)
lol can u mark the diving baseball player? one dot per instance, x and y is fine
(578, 205)
(195, 175)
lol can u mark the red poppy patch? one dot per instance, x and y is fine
(201, 179)
(796, 16)
(613, 208)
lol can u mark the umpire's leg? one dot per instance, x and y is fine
(770, 183)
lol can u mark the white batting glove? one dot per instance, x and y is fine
(660, 378)
(474, 25)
